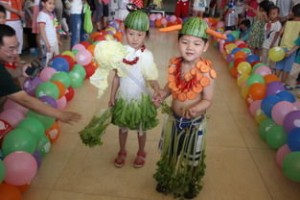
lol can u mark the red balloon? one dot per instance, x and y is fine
(5, 127)
(86, 44)
(90, 70)
(70, 60)
(238, 61)
(69, 94)
(9, 192)
(99, 38)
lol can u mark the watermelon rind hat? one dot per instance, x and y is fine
(195, 26)
(137, 20)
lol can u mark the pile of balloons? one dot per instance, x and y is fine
(275, 109)
(159, 21)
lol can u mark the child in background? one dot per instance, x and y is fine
(49, 39)
(132, 107)
(244, 27)
(191, 84)
(295, 71)
(272, 29)
(2, 15)
(199, 8)
(251, 7)
(231, 18)
(290, 33)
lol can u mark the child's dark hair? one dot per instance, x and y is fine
(273, 7)
(265, 5)
(6, 31)
(246, 22)
(180, 35)
(44, 1)
(2, 9)
(296, 10)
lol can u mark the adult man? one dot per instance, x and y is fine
(8, 54)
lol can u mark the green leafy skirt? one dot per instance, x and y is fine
(135, 114)
(181, 166)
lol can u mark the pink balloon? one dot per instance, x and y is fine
(152, 17)
(21, 168)
(158, 16)
(12, 116)
(61, 103)
(238, 42)
(173, 18)
(280, 110)
(281, 153)
(47, 73)
(297, 105)
(78, 47)
(164, 21)
(9, 104)
(254, 106)
(220, 24)
(263, 70)
(83, 57)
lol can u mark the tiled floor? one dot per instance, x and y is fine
(240, 166)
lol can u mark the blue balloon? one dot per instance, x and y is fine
(60, 64)
(293, 140)
(252, 58)
(268, 103)
(230, 38)
(286, 96)
(235, 50)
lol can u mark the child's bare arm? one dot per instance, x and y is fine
(114, 88)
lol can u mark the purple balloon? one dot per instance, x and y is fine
(38, 158)
(274, 87)
(49, 100)
(292, 120)
(30, 85)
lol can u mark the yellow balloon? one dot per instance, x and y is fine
(276, 54)
(68, 53)
(230, 47)
(242, 79)
(244, 91)
(260, 116)
(244, 68)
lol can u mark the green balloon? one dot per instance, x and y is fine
(257, 66)
(2, 171)
(44, 145)
(63, 77)
(246, 50)
(291, 166)
(34, 126)
(235, 34)
(76, 79)
(264, 127)
(276, 137)
(255, 78)
(80, 69)
(18, 140)
(47, 89)
(75, 51)
(45, 120)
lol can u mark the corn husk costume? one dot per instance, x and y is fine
(181, 166)
(133, 108)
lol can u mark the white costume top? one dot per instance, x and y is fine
(50, 29)
(270, 34)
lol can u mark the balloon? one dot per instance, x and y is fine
(63, 77)
(48, 100)
(47, 89)
(286, 96)
(255, 78)
(61, 103)
(47, 73)
(33, 126)
(257, 91)
(38, 158)
(61, 88)
(164, 22)
(69, 94)
(92, 47)
(152, 17)
(268, 103)
(238, 61)
(70, 60)
(253, 58)
(21, 168)
(276, 137)
(230, 38)
(30, 85)
(241, 80)
(294, 139)
(235, 34)
(281, 153)
(83, 57)
(263, 70)
(246, 50)
(172, 18)
(12, 116)
(297, 105)
(9, 104)
(69, 53)
(80, 70)
(264, 127)
(280, 110)
(291, 166)
(2, 171)
(86, 43)
(60, 64)
(18, 140)
(269, 78)
(89, 70)
(244, 68)
(5, 128)
(235, 50)
(44, 146)
(276, 54)
(240, 54)
(292, 120)
(76, 79)
(234, 72)
(260, 116)
(46, 121)
(53, 132)
(78, 47)
(257, 65)
(254, 106)
(9, 192)
(274, 87)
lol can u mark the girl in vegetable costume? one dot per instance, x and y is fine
(190, 83)
(132, 107)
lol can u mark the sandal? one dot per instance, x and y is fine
(140, 159)
(120, 159)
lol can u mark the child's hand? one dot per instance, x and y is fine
(111, 101)
(59, 43)
(158, 97)
(190, 113)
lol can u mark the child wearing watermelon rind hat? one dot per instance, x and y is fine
(191, 84)
(132, 108)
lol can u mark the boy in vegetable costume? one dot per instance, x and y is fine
(132, 107)
(191, 84)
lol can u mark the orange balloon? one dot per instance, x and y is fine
(119, 36)
(93, 35)
(257, 91)
(23, 188)
(53, 132)
(9, 192)
(270, 78)
(240, 54)
(91, 48)
(234, 72)
(158, 23)
(60, 87)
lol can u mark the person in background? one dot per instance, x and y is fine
(182, 8)
(244, 27)
(285, 7)
(231, 18)
(76, 22)
(251, 6)
(9, 53)
(2, 15)
(199, 7)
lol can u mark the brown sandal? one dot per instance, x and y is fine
(120, 159)
(140, 159)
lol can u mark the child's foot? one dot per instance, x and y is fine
(161, 189)
(120, 159)
(192, 193)
(140, 159)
